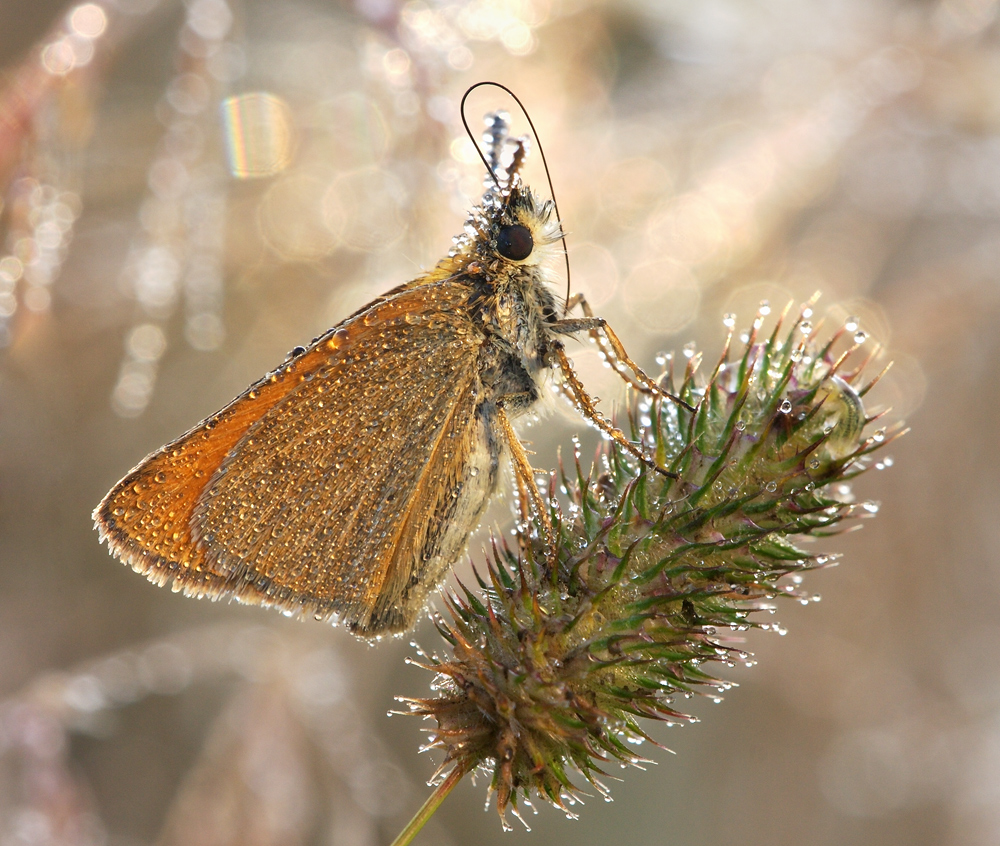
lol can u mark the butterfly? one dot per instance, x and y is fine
(345, 483)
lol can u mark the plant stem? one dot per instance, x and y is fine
(429, 807)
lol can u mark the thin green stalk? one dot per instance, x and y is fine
(429, 807)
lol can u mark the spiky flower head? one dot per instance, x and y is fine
(549, 669)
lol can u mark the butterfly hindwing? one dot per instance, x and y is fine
(365, 464)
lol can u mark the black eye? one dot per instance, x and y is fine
(515, 242)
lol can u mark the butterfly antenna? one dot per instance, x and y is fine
(490, 166)
(495, 155)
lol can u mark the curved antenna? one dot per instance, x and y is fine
(541, 152)
(472, 137)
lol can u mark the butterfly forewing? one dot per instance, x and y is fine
(351, 494)
(147, 517)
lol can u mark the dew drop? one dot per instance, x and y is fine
(729, 320)
(764, 308)
(805, 327)
(785, 407)
(860, 336)
(771, 487)
(851, 324)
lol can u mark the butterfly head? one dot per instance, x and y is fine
(512, 226)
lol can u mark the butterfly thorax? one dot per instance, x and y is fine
(509, 300)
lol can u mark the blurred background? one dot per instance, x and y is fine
(191, 189)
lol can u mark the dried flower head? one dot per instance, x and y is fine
(549, 669)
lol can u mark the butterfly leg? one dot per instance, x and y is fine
(527, 487)
(600, 331)
(585, 403)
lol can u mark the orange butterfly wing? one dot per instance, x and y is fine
(345, 483)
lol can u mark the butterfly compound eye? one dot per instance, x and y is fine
(515, 242)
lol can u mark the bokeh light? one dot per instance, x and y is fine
(258, 133)
(293, 221)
